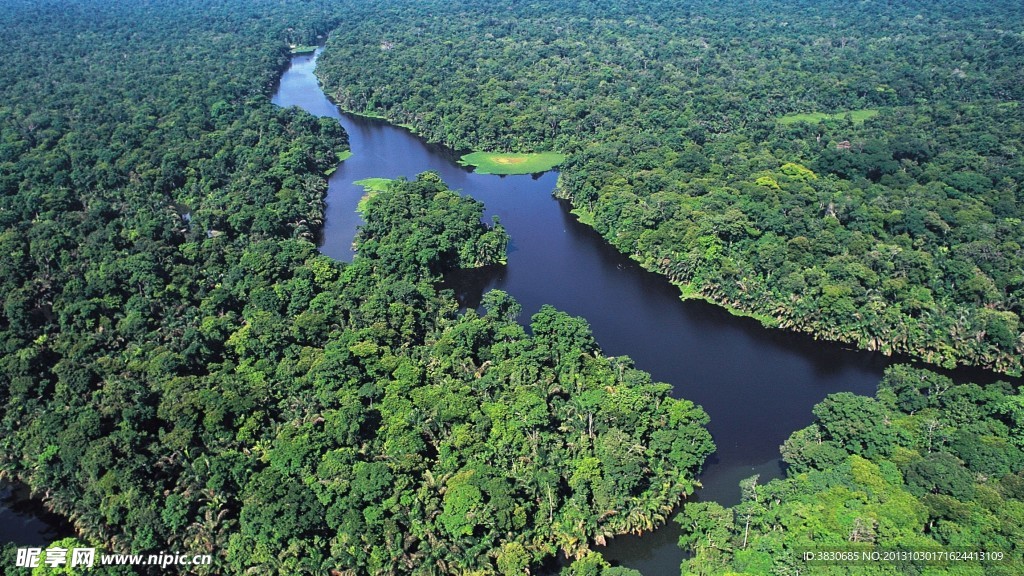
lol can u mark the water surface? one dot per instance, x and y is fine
(25, 522)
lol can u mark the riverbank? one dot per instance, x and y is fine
(371, 186)
(893, 333)
(896, 243)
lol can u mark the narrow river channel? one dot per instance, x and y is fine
(758, 385)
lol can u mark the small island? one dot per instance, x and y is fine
(512, 163)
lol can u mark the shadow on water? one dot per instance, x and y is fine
(25, 522)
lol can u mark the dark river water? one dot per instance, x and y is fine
(25, 522)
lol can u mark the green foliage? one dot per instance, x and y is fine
(422, 226)
(593, 564)
(183, 370)
(945, 476)
(67, 544)
(506, 163)
(373, 184)
(683, 126)
(855, 116)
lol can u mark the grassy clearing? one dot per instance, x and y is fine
(858, 116)
(584, 216)
(509, 163)
(370, 187)
(373, 184)
(303, 49)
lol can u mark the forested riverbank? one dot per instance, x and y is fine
(755, 391)
(925, 466)
(896, 231)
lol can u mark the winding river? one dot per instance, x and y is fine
(757, 385)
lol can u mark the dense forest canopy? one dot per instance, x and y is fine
(925, 465)
(182, 370)
(848, 169)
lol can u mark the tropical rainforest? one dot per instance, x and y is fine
(925, 465)
(849, 170)
(183, 370)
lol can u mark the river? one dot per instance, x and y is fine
(25, 521)
(757, 385)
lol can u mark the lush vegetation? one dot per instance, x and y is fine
(182, 370)
(512, 163)
(855, 116)
(370, 188)
(898, 232)
(924, 465)
(374, 184)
